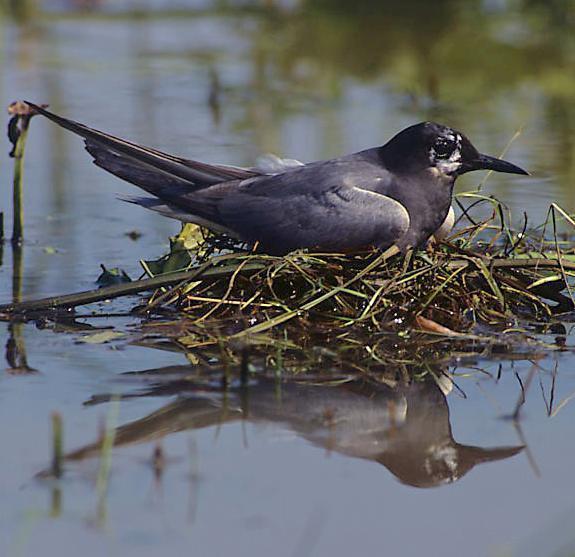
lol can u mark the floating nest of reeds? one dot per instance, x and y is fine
(368, 308)
(488, 290)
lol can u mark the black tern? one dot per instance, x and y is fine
(399, 193)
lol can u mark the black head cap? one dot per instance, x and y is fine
(430, 145)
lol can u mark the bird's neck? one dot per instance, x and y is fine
(427, 200)
(400, 159)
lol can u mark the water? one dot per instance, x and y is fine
(224, 83)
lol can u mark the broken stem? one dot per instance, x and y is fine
(18, 223)
(118, 290)
(17, 133)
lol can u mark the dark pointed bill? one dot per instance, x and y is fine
(498, 165)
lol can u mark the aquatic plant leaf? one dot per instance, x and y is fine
(101, 337)
(109, 277)
(188, 240)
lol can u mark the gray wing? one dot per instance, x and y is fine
(346, 219)
(339, 211)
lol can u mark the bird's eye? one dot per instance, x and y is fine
(443, 147)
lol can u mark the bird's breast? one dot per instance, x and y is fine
(427, 199)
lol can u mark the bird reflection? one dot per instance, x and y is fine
(405, 428)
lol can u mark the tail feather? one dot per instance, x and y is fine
(172, 211)
(153, 180)
(145, 167)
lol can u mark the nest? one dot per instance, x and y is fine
(368, 308)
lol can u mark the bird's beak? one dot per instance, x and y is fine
(485, 162)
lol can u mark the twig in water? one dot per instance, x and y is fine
(114, 291)
(524, 388)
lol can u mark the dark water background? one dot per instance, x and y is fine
(224, 82)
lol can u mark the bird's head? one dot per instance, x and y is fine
(440, 149)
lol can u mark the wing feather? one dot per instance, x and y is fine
(337, 219)
(143, 164)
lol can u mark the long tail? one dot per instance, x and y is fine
(147, 168)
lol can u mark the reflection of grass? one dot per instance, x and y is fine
(107, 444)
(57, 445)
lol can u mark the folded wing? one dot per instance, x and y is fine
(337, 219)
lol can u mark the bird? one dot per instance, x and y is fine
(398, 194)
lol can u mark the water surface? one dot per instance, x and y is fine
(271, 468)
